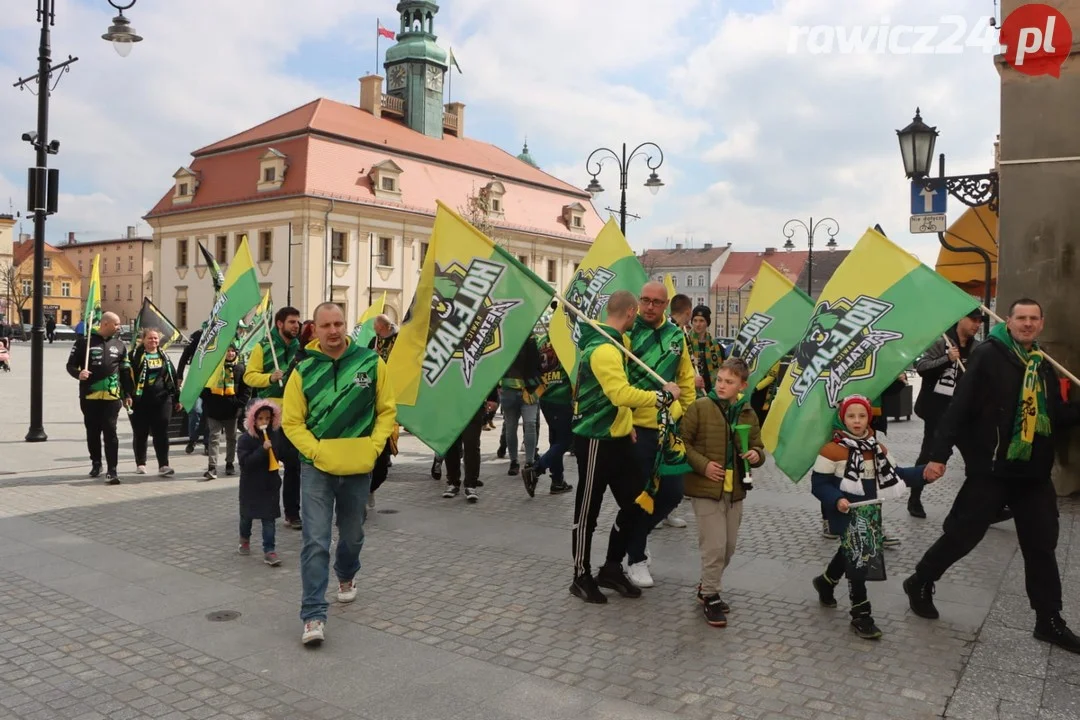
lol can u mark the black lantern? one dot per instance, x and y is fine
(917, 147)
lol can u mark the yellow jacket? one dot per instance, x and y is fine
(607, 366)
(684, 378)
(342, 455)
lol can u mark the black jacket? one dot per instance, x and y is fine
(982, 414)
(934, 367)
(260, 487)
(163, 390)
(107, 357)
(226, 407)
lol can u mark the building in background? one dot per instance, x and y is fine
(693, 270)
(7, 263)
(127, 269)
(337, 201)
(62, 288)
(731, 289)
(824, 265)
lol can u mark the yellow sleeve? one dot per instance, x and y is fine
(684, 378)
(253, 371)
(607, 365)
(765, 382)
(385, 408)
(294, 418)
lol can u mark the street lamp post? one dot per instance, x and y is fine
(831, 227)
(917, 142)
(653, 183)
(43, 184)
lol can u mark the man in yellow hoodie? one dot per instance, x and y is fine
(603, 429)
(339, 410)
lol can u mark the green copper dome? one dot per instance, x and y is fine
(416, 34)
(525, 157)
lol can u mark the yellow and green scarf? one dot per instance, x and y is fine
(670, 457)
(1032, 416)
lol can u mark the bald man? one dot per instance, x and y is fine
(100, 390)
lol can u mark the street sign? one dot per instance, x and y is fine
(926, 202)
(922, 223)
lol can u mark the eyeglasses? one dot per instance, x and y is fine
(653, 301)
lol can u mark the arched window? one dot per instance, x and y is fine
(701, 281)
(689, 281)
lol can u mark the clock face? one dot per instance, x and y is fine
(397, 77)
(434, 78)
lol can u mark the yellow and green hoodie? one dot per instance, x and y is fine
(663, 349)
(339, 413)
(260, 365)
(603, 396)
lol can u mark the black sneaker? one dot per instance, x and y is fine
(210, 474)
(1052, 629)
(436, 469)
(865, 628)
(921, 598)
(714, 611)
(825, 591)
(111, 478)
(470, 496)
(514, 469)
(614, 578)
(724, 607)
(585, 587)
(95, 470)
(501, 452)
(530, 478)
(189, 448)
(558, 488)
(229, 469)
(915, 508)
(451, 491)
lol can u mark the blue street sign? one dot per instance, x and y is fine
(925, 202)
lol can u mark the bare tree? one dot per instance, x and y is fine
(477, 210)
(11, 277)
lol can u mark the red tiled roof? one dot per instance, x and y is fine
(682, 257)
(741, 267)
(330, 148)
(23, 250)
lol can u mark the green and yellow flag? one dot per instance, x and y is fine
(774, 320)
(364, 331)
(92, 312)
(609, 265)
(669, 285)
(881, 308)
(261, 317)
(239, 294)
(474, 308)
(151, 317)
(215, 270)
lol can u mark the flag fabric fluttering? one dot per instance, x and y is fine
(669, 285)
(474, 308)
(92, 311)
(774, 320)
(150, 316)
(881, 308)
(364, 332)
(609, 265)
(239, 294)
(384, 31)
(255, 325)
(451, 60)
(216, 275)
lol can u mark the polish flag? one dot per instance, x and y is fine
(386, 32)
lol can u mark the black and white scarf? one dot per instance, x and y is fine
(888, 483)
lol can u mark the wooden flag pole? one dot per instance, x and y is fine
(270, 341)
(949, 344)
(592, 323)
(1057, 366)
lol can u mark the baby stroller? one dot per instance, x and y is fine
(5, 355)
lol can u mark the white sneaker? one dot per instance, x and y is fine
(371, 500)
(674, 521)
(314, 632)
(166, 471)
(639, 575)
(346, 592)
(140, 470)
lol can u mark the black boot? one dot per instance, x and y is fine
(1051, 628)
(826, 591)
(614, 578)
(921, 597)
(585, 587)
(915, 506)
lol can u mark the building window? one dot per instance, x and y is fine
(182, 253)
(129, 292)
(221, 253)
(721, 306)
(388, 184)
(339, 241)
(104, 292)
(701, 281)
(423, 253)
(386, 251)
(674, 281)
(266, 246)
(577, 221)
(733, 307)
(182, 189)
(238, 240)
(553, 271)
(496, 205)
(269, 174)
(46, 288)
(117, 292)
(689, 281)
(181, 313)
(48, 263)
(117, 264)
(80, 266)
(65, 288)
(524, 260)
(131, 263)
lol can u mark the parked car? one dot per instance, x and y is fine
(64, 332)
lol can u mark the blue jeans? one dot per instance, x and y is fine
(558, 418)
(666, 500)
(320, 495)
(268, 532)
(515, 409)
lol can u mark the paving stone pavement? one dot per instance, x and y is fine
(464, 610)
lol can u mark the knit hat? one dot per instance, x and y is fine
(855, 400)
(702, 311)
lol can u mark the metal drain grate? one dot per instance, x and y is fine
(222, 615)
(387, 511)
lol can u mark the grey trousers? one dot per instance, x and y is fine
(215, 428)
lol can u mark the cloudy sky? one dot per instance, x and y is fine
(762, 114)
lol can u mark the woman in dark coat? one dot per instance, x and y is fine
(257, 451)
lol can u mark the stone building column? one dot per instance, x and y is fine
(1039, 236)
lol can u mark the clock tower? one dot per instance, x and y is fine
(416, 66)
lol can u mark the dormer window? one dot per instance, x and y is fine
(272, 166)
(386, 180)
(493, 193)
(187, 181)
(574, 217)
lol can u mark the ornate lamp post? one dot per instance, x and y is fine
(917, 142)
(831, 227)
(44, 184)
(653, 183)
